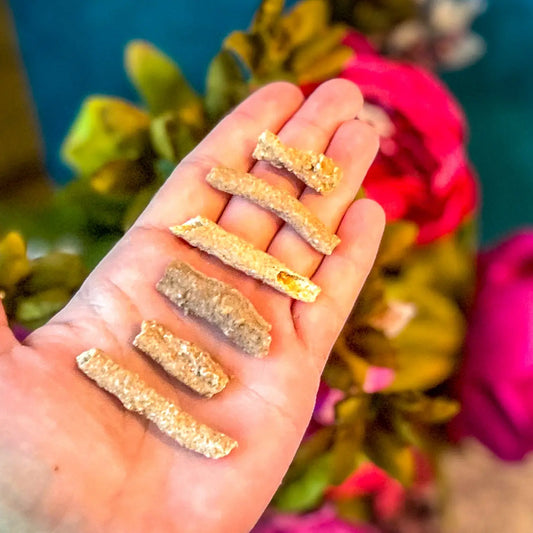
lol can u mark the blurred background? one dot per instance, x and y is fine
(55, 54)
(429, 340)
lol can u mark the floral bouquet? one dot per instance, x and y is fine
(369, 458)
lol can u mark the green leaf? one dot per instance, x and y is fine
(306, 20)
(410, 432)
(447, 265)
(267, 16)
(95, 249)
(426, 410)
(14, 264)
(306, 492)
(163, 169)
(355, 510)
(350, 430)
(427, 349)
(106, 129)
(55, 270)
(337, 374)
(160, 82)
(355, 350)
(172, 138)
(371, 301)
(33, 311)
(421, 369)
(310, 449)
(121, 177)
(328, 42)
(248, 48)
(373, 17)
(226, 85)
(327, 67)
(137, 206)
(398, 240)
(354, 366)
(100, 213)
(372, 345)
(391, 454)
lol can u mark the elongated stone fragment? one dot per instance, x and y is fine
(240, 254)
(182, 359)
(316, 170)
(138, 397)
(219, 304)
(278, 201)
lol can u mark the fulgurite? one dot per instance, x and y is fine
(278, 201)
(317, 171)
(219, 304)
(138, 397)
(182, 359)
(240, 254)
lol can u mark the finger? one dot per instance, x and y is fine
(3, 316)
(311, 128)
(7, 338)
(231, 143)
(353, 148)
(341, 277)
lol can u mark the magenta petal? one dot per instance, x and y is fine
(20, 332)
(324, 412)
(323, 520)
(378, 378)
(496, 379)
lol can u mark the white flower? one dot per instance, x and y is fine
(454, 16)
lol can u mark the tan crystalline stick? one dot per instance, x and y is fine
(182, 359)
(316, 170)
(138, 397)
(219, 304)
(280, 202)
(240, 254)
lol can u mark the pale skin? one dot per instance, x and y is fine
(73, 459)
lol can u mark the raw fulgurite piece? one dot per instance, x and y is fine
(278, 201)
(219, 304)
(138, 397)
(316, 170)
(240, 254)
(181, 359)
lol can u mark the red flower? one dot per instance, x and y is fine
(421, 173)
(388, 494)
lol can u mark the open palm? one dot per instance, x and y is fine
(71, 457)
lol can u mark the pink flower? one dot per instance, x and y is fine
(20, 332)
(359, 43)
(323, 520)
(326, 399)
(421, 173)
(377, 378)
(496, 381)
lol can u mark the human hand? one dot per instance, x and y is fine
(73, 459)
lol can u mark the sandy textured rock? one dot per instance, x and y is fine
(182, 359)
(316, 170)
(278, 201)
(219, 304)
(240, 254)
(138, 397)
